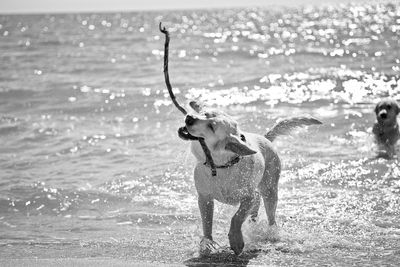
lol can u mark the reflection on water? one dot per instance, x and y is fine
(91, 164)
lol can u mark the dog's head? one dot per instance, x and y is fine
(220, 131)
(386, 111)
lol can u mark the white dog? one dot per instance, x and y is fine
(248, 168)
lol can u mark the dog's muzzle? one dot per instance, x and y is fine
(190, 120)
(185, 135)
(382, 114)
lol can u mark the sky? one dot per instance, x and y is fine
(48, 6)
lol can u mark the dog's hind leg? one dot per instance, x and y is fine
(255, 208)
(269, 188)
(270, 198)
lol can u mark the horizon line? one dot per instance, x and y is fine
(179, 8)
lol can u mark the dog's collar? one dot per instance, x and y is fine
(230, 163)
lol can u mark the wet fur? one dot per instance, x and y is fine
(386, 128)
(254, 177)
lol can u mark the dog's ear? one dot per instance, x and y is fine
(397, 108)
(377, 108)
(196, 106)
(236, 145)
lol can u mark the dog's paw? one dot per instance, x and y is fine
(272, 233)
(236, 242)
(208, 246)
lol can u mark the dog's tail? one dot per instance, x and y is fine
(284, 126)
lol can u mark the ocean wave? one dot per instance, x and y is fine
(334, 84)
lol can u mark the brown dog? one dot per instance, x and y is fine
(248, 168)
(386, 129)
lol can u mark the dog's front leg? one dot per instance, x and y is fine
(235, 232)
(206, 206)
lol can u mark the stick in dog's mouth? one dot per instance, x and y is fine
(183, 132)
(185, 135)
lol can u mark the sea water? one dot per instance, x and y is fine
(91, 164)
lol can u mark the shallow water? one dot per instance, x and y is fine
(91, 164)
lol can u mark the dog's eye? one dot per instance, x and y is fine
(211, 127)
(388, 107)
(209, 115)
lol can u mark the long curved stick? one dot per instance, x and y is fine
(166, 75)
(209, 159)
(207, 152)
